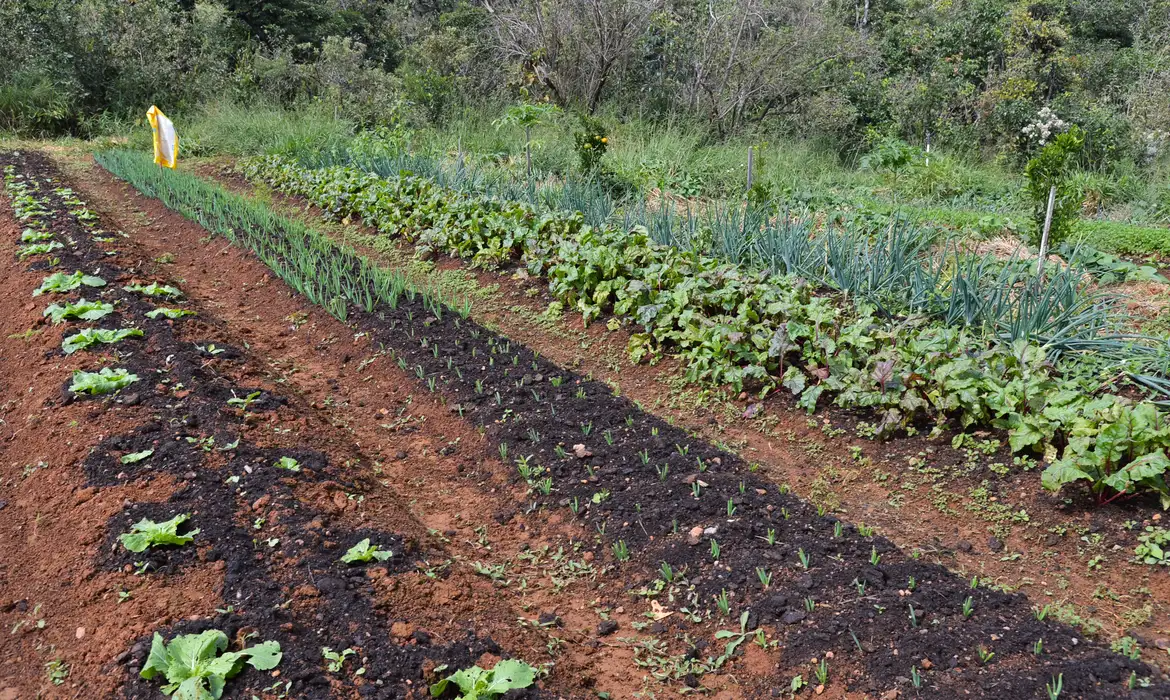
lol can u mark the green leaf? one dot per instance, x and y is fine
(146, 533)
(136, 457)
(103, 382)
(154, 289)
(475, 683)
(363, 552)
(60, 283)
(91, 336)
(169, 313)
(82, 310)
(196, 667)
(1061, 472)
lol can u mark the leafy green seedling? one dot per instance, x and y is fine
(288, 463)
(363, 552)
(244, 403)
(32, 249)
(82, 310)
(154, 289)
(82, 340)
(477, 684)
(169, 313)
(104, 382)
(336, 659)
(197, 666)
(60, 283)
(146, 533)
(30, 235)
(135, 457)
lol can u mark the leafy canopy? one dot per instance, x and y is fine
(146, 533)
(59, 283)
(477, 684)
(82, 310)
(91, 336)
(103, 382)
(197, 666)
(364, 552)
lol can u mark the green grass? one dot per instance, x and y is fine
(227, 128)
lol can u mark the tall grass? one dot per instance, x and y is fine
(234, 129)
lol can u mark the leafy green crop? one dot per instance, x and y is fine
(135, 457)
(288, 464)
(477, 684)
(1154, 546)
(363, 552)
(59, 283)
(30, 235)
(990, 364)
(146, 533)
(82, 310)
(104, 382)
(89, 336)
(169, 313)
(197, 666)
(27, 251)
(154, 289)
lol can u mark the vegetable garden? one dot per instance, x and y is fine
(286, 467)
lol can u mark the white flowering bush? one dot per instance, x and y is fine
(1042, 129)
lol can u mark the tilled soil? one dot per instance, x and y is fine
(628, 493)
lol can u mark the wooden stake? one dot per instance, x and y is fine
(751, 166)
(1047, 228)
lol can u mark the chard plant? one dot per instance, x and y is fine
(102, 382)
(60, 283)
(81, 310)
(363, 553)
(154, 289)
(86, 338)
(198, 666)
(476, 683)
(146, 533)
(169, 313)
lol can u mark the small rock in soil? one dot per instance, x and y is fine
(963, 546)
(607, 627)
(994, 544)
(3, 505)
(792, 617)
(422, 637)
(581, 452)
(695, 535)
(549, 618)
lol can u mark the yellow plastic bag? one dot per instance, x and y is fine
(166, 141)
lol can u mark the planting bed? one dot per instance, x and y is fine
(465, 454)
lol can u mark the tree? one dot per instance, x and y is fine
(572, 48)
(527, 115)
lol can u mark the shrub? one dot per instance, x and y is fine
(1051, 168)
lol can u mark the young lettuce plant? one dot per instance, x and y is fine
(61, 283)
(154, 289)
(146, 533)
(81, 310)
(477, 684)
(104, 382)
(169, 313)
(198, 666)
(92, 336)
(363, 552)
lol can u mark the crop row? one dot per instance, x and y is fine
(759, 330)
(59, 233)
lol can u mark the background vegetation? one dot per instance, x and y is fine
(933, 108)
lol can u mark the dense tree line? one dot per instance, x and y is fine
(971, 74)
